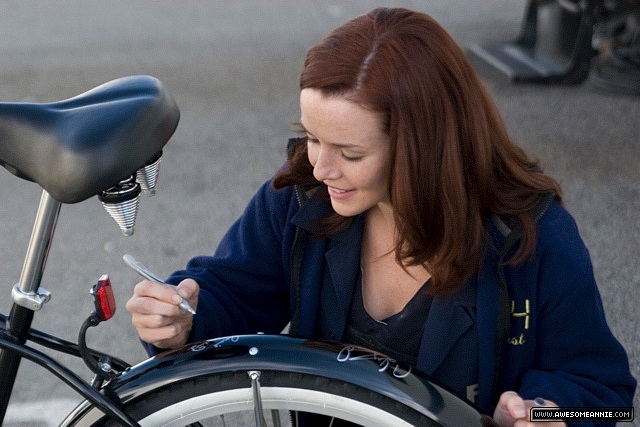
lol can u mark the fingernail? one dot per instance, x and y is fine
(183, 293)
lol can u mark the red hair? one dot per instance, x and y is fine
(452, 162)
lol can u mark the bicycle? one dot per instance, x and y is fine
(108, 142)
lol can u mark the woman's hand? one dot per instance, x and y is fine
(155, 313)
(514, 411)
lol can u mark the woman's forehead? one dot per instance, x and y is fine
(318, 106)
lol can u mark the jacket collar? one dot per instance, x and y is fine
(314, 206)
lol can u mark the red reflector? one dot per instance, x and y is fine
(103, 298)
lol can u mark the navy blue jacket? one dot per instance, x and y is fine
(558, 347)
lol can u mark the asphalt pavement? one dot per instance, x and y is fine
(232, 66)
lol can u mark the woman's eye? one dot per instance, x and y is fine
(348, 157)
(351, 158)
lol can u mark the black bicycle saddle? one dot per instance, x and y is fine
(76, 148)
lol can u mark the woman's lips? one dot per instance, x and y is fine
(337, 193)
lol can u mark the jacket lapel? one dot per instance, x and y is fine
(334, 287)
(449, 318)
(343, 259)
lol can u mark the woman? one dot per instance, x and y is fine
(407, 221)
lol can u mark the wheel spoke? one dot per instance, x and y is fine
(275, 417)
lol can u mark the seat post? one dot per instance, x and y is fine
(38, 250)
(26, 294)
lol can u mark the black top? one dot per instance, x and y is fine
(398, 336)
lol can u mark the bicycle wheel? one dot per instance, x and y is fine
(227, 398)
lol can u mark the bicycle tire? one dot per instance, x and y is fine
(226, 399)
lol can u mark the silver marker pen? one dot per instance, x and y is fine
(139, 268)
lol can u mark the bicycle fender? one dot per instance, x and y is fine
(348, 363)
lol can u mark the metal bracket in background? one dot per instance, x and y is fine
(31, 301)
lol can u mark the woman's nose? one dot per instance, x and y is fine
(325, 166)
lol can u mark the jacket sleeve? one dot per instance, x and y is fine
(244, 285)
(577, 360)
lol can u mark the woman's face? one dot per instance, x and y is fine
(348, 151)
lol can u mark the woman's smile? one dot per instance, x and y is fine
(338, 193)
